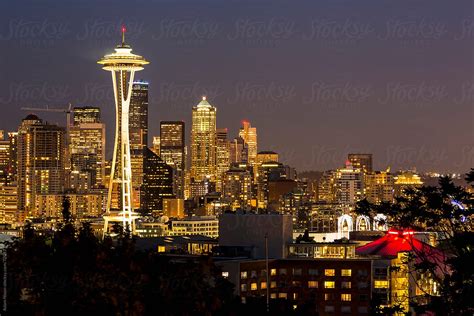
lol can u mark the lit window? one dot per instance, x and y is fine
(295, 296)
(253, 286)
(243, 287)
(282, 295)
(346, 272)
(161, 249)
(273, 272)
(381, 284)
(329, 284)
(263, 285)
(225, 274)
(329, 272)
(313, 284)
(273, 284)
(243, 274)
(346, 285)
(346, 297)
(273, 295)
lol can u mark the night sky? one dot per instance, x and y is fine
(317, 78)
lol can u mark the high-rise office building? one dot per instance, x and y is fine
(349, 184)
(156, 145)
(249, 135)
(87, 150)
(238, 151)
(379, 186)
(237, 188)
(361, 161)
(4, 159)
(327, 187)
(8, 203)
(268, 171)
(172, 151)
(41, 149)
(86, 114)
(263, 156)
(203, 142)
(12, 167)
(138, 127)
(157, 182)
(222, 156)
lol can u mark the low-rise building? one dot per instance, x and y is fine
(195, 225)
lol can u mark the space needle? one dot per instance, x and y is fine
(122, 65)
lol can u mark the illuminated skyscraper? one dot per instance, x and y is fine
(263, 156)
(378, 186)
(203, 142)
(122, 64)
(361, 161)
(238, 151)
(87, 150)
(41, 149)
(138, 135)
(12, 167)
(249, 135)
(327, 187)
(237, 188)
(349, 184)
(156, 145)
(268, 171)
(8, 203)
(86, 114)
(172, 151)
(4, 159)
(222, 156)
(157, 182)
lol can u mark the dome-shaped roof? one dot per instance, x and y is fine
(31, 117)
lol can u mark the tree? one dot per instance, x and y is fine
(75, 273)
(447, 210)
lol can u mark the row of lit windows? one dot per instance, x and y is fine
(299, 271)
(311, 284)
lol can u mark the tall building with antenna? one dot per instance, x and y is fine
(122, 65)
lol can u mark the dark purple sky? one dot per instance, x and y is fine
(318, 78)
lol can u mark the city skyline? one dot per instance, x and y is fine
(267, 91)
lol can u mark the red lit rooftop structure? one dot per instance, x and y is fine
(396, 241)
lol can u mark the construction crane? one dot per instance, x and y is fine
(68, 112)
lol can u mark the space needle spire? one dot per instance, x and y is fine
(122, 64)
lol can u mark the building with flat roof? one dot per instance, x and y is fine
(249, 230)
(195, 225)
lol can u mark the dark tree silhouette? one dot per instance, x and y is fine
(75, 273)
(448, 210)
